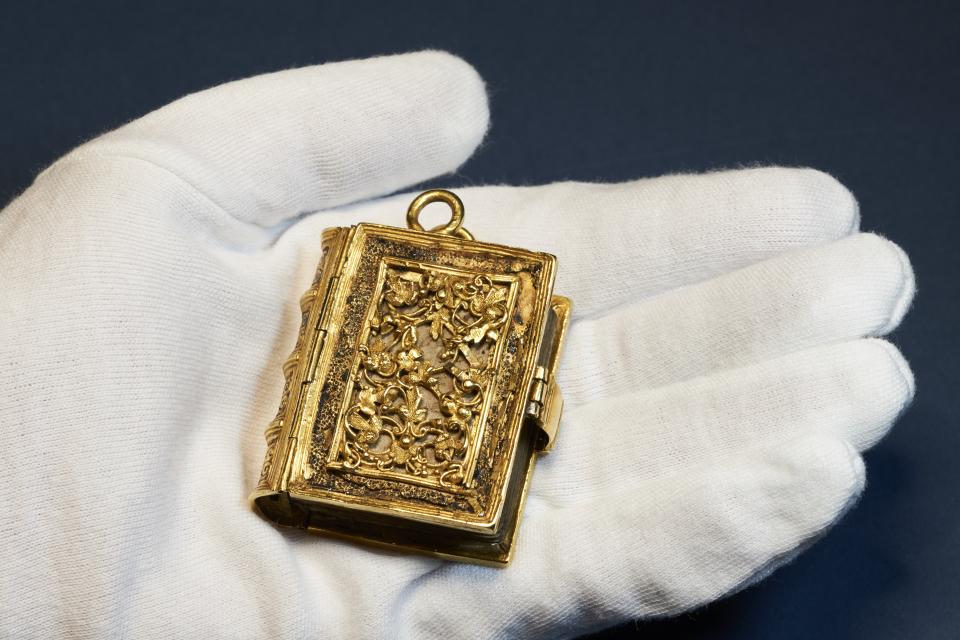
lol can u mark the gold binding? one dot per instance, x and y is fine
(420, 391)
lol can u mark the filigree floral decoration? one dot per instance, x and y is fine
(423, 373)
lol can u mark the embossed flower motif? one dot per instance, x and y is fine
(399, 453)
(445, 446)
(383, 324)
(438, 318)
(407, 360)
(419, 373)
(433, 281)
(367, 429)
(411, 410)
(403, 289)
(441, 287)
(367, 400)
(450, 407)
(477, 334)
(379, 359)
(489, 302)
(410, 354)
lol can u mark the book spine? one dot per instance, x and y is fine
(311, 305)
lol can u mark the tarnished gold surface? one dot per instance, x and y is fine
(421, 384)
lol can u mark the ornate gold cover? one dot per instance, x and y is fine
(419, 390)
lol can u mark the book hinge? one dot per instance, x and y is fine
(321, 333)
(322, 314)
(311, 371)
(545, 402)
(288, 463)
(544, 406)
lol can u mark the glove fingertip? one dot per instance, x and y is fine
(467, 111)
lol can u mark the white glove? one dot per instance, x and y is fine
(719, 377)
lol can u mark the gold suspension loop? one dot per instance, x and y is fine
(452, 228)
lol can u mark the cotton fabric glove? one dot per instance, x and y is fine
(722, 374)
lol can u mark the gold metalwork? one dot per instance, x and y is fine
(421, 385)
(422, 376)
(452, 200)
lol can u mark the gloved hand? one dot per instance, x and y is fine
(720, 375)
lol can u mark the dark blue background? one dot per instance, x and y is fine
(868, 92)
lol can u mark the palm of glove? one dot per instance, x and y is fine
(718, 383)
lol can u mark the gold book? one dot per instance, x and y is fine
(420, 391)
